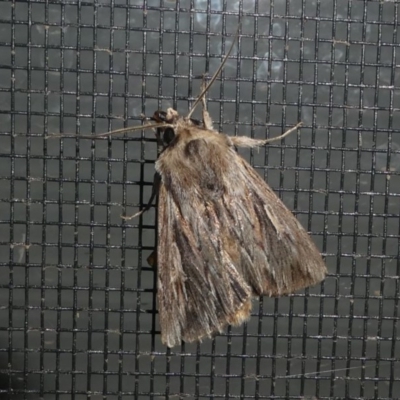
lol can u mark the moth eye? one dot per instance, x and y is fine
(168, 136)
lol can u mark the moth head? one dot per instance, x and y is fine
(171, 118)
(165, 117)
(166, 133)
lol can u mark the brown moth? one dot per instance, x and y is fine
(223, 235)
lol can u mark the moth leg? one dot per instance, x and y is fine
(154, 193)
(244, 141)
(207, 121)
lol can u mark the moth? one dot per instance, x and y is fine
(223, 237)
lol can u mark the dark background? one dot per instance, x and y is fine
(77, 299)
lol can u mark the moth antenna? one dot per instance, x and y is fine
(205, 90)
(116, 132)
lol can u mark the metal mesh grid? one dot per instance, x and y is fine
(78, 314)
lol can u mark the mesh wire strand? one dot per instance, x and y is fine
(78, 312)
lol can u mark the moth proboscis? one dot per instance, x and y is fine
(224, 237)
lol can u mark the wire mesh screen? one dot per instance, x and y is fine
(78, 312)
